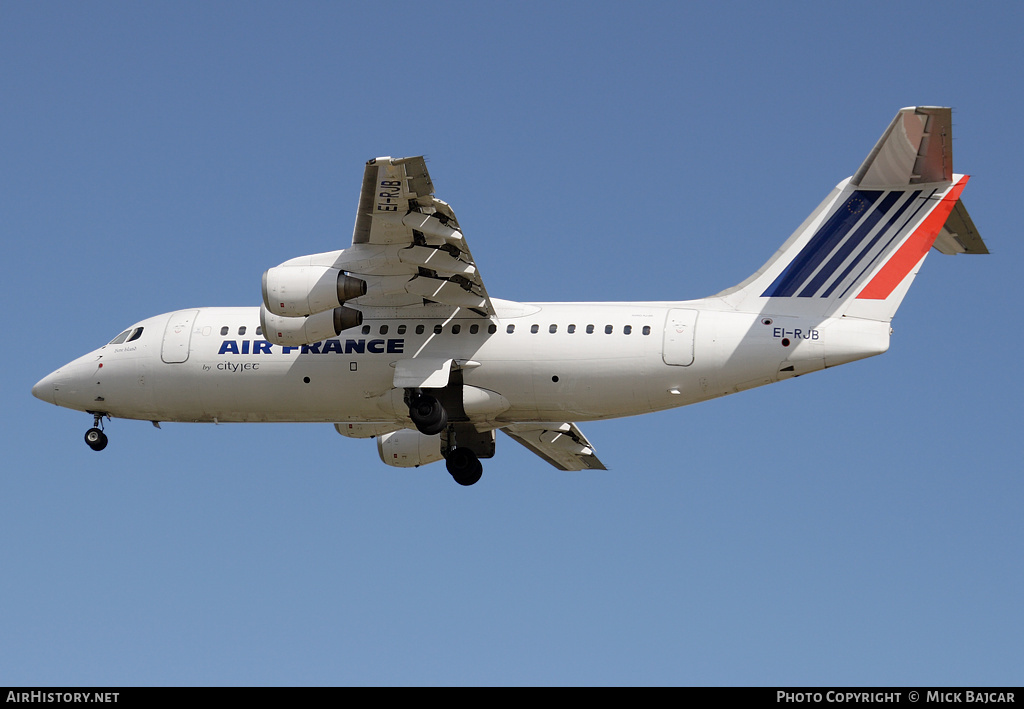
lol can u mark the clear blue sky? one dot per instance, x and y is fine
(857, 526)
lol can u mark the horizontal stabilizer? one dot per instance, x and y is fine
(916, 148)
(563, 445)
(959, 235)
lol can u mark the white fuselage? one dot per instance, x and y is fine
(550, 361)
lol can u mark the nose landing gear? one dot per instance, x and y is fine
(95, 438)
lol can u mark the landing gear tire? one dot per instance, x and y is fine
(464, 466)
(96, 439)
(427, 414)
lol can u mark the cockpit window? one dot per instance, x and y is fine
(129, 335)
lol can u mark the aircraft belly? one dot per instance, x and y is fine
(301, 388)
(571, 388)
(590, 389)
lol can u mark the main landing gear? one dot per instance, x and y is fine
(430, 417)
(95, 438)
(427, 414)
(464, 466)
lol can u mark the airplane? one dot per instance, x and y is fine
(396, 337)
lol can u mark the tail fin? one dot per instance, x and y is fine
(859, 251)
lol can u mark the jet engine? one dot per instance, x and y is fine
(293, 332)
(297, 291)
(408, 448)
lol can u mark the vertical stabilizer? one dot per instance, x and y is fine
(859, 251)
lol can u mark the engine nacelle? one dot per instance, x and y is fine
(293, 332)
(298, 291)
(408, 448)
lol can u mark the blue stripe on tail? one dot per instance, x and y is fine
(867, 248)
(829, 236)
(847, 247)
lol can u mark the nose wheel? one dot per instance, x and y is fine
(95, 438)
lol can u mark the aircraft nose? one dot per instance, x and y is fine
(43, 389)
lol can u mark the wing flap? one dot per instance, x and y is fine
(422, 239)
(442, 290)
(407, 250)
(563, 445)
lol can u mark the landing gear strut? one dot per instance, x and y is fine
(428, 414)
(464, 466)
(95, 438)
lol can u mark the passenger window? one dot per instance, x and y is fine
(259, 330)
(627, 330)
(474, 329)
(419, 329)
(553, 329)
(590, 329)
(510, 329)
(456, 329)
(366, 329)
(383, 329)
(534, 329)
(224, 330)
(401, 329)
(647, 329)
(607, 329)
(241, 330)
(491, 329)
(571, 329)
(438, 329)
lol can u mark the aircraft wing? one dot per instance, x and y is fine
(407, 244)
(563, 445)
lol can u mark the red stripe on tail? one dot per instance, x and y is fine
(914, 248)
